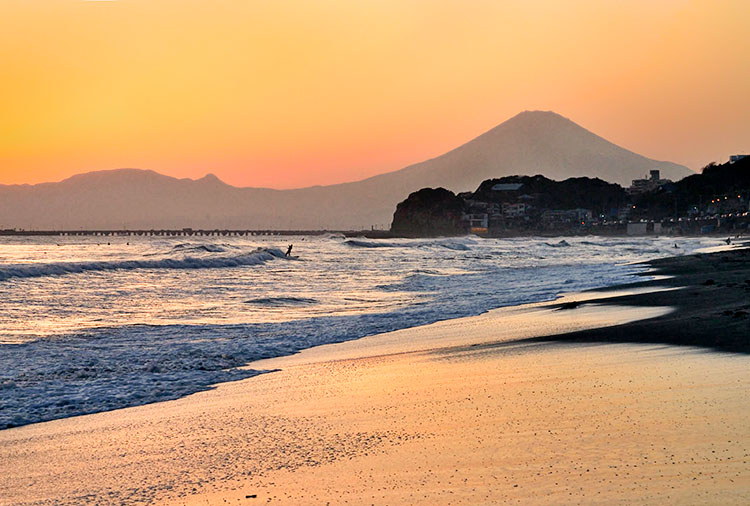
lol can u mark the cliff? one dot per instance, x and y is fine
(429, 212)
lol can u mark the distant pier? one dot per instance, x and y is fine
(187, 232)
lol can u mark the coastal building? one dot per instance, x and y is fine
(637, 228)
(495, 209)
(477, 206)
(623, 212)
(478, 222)
(567, 216)
(515, 210)
(583, 215)
(507, 187)
(644, 228)
(650, 183)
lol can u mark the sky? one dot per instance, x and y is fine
(285, 94)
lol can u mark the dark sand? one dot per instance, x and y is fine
(712, 302)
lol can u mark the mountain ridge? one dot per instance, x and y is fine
(547, 126)
(532, 142)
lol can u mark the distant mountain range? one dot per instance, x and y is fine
(533, 142)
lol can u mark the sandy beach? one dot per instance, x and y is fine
(636, 395)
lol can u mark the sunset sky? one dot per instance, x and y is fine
(294, 93)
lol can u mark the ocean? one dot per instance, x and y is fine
(100, 323)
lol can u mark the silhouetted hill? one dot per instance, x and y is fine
(438, 212)
(577, 192)
(530, 143)
(724, 184)
(717, 198)
(429, 211)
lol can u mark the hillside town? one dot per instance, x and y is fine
(716, 201)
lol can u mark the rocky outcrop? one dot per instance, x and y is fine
(429, 212)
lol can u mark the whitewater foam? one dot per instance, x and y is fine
(452, 244)
(260, 256)
(280, 301)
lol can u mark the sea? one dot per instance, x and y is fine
(90, 324)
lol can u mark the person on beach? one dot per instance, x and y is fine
(288, 251)
(729, 240)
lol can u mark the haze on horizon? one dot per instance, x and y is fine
(293, 94)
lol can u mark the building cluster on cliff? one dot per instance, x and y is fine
(715, 201)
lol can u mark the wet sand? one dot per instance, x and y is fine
(712, 304)
(469, 411)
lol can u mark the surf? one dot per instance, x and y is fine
(258, 257)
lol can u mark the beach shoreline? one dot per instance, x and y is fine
(711, 296)
(477, 410)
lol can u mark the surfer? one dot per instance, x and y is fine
(288, 251)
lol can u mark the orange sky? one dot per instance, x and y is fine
(294, 93)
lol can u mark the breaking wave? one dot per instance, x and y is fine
(280, 301)
(371, 244)
(561, 244)
(445, 243)
(257, 257)
(208, 248)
